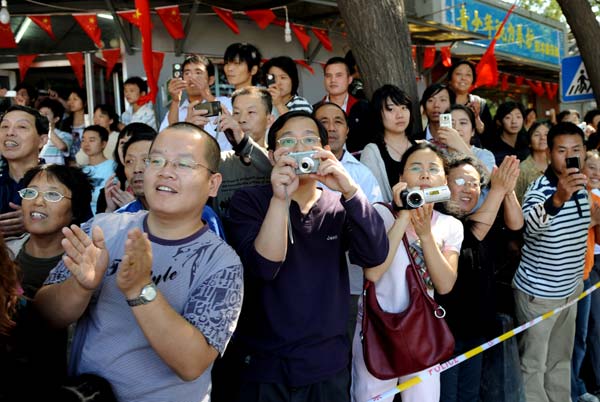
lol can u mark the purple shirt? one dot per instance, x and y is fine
(293, 328)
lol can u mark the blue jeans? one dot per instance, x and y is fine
(461, 383)
(594, 325)
(581, 330)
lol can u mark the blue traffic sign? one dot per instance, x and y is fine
(574, 81)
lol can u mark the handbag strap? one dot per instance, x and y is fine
(438, 310)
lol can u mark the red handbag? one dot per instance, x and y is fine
(397, 344)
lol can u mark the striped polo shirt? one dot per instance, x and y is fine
(554, 247)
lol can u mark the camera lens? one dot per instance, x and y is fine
(306, 165)
(414, 199)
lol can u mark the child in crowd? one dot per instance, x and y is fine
(133, 89)
(99, 168)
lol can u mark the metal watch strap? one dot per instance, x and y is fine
(138, 301)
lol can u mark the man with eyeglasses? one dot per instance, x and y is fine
(292, 237)
(198, 75)
(23, 133)
(155, 294)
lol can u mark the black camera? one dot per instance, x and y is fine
(177, 73)
(270, 80)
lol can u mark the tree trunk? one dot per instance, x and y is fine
(380, 40)
(586, 30)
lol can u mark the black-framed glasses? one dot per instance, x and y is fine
(32, 193)
(183, 165)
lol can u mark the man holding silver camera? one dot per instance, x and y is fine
(292, 237)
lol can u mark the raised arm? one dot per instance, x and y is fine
(87, 259)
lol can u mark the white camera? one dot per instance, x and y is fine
(446, 120)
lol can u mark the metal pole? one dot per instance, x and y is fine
(89, 83)
(117, 91)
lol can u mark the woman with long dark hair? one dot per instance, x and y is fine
(391, 108)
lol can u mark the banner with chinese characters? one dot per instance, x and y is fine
(520, 37)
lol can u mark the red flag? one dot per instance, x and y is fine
(301, 34)
(504, 84)
(25, 61)
(428, 56)
(171, 19)
(446, 56)
(132, 16)
(157, 63)
(146, 30)
(227, 17)
(7, 39)
(323, 37)
(487, 68)
(262, 17)
(551, 89)
(76, 60)
(89, 23)
(111, 56)
(519, 80)
(43, 21)
(304, 64)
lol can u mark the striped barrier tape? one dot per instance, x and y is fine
(441, 367)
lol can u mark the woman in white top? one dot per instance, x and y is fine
(435, 240)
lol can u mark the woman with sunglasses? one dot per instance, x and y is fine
(53, 197)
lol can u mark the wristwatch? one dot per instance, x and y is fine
(147, 295)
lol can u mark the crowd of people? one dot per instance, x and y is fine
(221, 256)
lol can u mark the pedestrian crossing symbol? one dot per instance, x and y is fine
(575, 82)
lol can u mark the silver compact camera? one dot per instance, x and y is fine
(412, 199)
(446, 120)
(306, 162)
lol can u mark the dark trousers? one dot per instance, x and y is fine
(462, 382)
(334, 389)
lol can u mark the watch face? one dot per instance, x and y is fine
(149, 292)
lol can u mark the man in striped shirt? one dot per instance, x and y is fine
(557, 216)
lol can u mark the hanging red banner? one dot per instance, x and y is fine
(7, 39)
(304, 64)
(143, 6)
(519, 80)
(428, 56)
(111, 56)
(551, 89)
(536, 87)
(76, 60)
(504, 84)
(89, 23)
(43, 21)
(171, 19)
(263, 18)
(25, 61)
(227, 17)
(301, 35)
(446, 56)
(323, 37)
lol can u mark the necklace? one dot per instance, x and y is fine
(396, 150)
